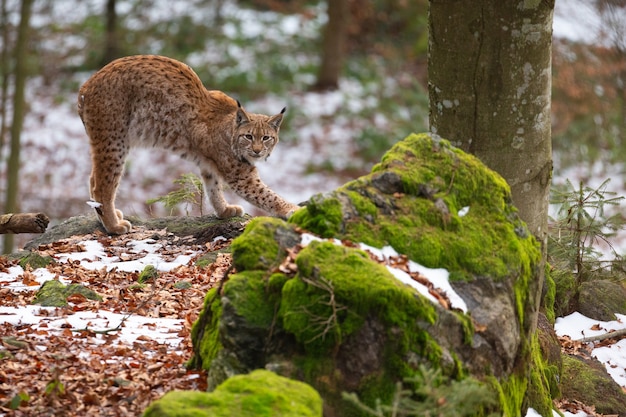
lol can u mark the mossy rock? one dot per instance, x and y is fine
(344, 323)
(412, 199)
(54, 294)
(612, 294)
(258, 394)
(34, 260)
(587, 381)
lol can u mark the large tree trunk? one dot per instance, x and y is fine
(21, 55)
(333, 47)
(489, 86)
(489, 76)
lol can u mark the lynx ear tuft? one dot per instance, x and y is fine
(283, 110)
(276, 120)
(242, 116)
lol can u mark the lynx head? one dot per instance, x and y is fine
(255, 134)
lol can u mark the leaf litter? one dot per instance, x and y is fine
(115, 356)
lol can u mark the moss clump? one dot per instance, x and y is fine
(589, 383)
(549, 299)
(248, 294)
(205, 332)
(337, 291)
(54, 294)
(258, 394)
(183, 285)
(322, 216)
(149, 273)
(337, 288)
(418, 189)
(34, 261)
(543, 381)
(275, 235)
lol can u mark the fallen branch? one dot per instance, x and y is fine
(611, 335)
(23, 223)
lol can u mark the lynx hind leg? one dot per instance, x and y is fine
(213, 188)
(105, 177)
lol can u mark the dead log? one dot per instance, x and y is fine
(23, 223)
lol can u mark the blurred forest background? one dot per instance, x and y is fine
(352, 73)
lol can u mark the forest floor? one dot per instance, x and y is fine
(114, 356)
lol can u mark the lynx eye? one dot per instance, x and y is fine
(267, 138)
(248, 136)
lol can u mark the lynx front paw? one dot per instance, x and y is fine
(290, 210)
(123, 226)
(231, 211)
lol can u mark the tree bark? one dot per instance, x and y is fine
(110, 47)
(489, 79)
(21, 55)
(333, 47)
(489, 87)
(489, 84)
(23, 223)
(4, 70)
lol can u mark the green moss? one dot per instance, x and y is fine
(437, 180)
(549, 298)
(511, 393)
(247, 291)
(543, 382)
(54, 294)
(183, 285)
(258, 394)
(364, 205)
(344, 283)
(34, 260)
(261, 245)
(591, 386)
(205, 332)
(322, 216)
(149, 273)
(336, 290)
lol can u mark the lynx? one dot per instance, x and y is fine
(154, 101)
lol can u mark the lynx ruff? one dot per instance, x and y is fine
(154, 101)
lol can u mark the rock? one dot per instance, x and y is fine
(203, 228)
(258, 394)
(34, 260)
(54, 294)
(332, 317)
(612, 294)
(587, 381)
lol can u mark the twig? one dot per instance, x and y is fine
(318, 322)
(611, 335)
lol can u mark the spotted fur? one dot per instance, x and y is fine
(154, 101)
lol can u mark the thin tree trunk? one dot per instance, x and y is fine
(21, 56)
(5, 70)
(334, 45)
(110, 48)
